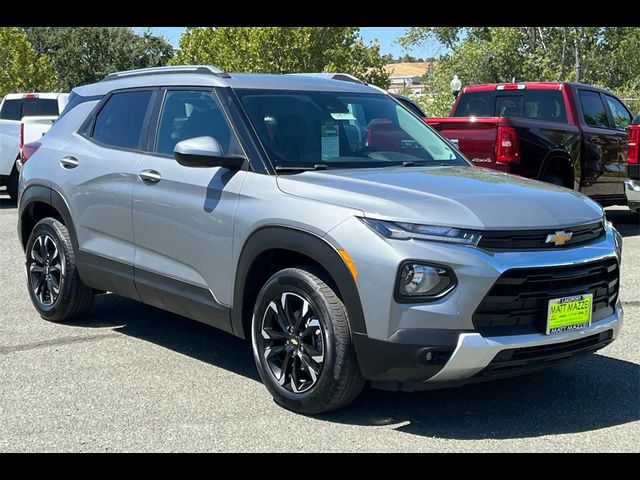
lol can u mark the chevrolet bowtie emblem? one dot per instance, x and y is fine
(559, 238)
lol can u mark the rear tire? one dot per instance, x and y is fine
(54, 284)
(302, 343)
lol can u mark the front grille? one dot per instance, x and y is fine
(527, 359)
(501, 240)
(518, 302)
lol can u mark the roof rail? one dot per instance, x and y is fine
(345, 77)
(198, 69)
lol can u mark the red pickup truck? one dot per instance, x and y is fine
(569, 134)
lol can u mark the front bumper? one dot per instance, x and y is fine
(632, 190)
(472, 358)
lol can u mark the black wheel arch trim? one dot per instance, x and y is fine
(42, 194)
(301, 242)
(556, 154)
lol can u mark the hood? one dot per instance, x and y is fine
(467, 197)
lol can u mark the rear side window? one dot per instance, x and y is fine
(476, 104)
(39, 107)
(119, 123)
(544, 105)
(593, 111)
(11, 110)
(621, 116)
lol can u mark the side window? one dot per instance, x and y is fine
(189, 114)
(119, 123)
(621, 117)
(11, 110)
(593, 111)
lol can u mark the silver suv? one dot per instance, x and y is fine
(321, 219)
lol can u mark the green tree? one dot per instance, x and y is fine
(605, 56)
(22, 69)
(84, 55)
(284, 50)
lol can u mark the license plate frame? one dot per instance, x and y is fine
(570, 313)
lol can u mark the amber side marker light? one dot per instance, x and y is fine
(349, 263)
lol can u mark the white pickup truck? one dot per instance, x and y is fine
(24, 118)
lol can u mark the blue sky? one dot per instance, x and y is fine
(387, 37)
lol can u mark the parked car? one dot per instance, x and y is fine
(633, 182)
(567, 134)
(24, 118)
(320, 219)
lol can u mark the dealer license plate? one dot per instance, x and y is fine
(569, 313)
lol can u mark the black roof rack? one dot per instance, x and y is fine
(197, 69)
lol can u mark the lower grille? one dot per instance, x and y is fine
(518, 302)
(521, 360)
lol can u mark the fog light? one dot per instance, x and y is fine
(417, 281)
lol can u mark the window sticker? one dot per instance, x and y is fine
(330, 142)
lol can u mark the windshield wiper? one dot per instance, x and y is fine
(300, 168)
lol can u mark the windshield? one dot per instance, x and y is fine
(342, 130)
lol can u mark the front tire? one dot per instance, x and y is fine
(302, 343)
(54, 284)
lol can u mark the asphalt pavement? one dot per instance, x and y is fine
(134, 378)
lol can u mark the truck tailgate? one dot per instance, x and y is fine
(475, 137)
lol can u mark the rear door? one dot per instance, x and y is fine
(620, 118)
(602, 164)
(97, 173)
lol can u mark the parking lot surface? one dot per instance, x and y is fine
(134, 378)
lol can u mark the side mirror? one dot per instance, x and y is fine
(205, 152)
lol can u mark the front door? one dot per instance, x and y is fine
(183, 217)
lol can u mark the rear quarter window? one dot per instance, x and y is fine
(11, 110)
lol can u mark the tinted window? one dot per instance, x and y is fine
(593, 111)
(119, 123)
(342, 130)
(11, 110)
(190, 114)
(476, 104)
(37, 107)
(621, 116)
(545, 105)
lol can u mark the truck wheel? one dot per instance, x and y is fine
(302, 343)
(52, 278)
(12, 185)
(551, 178)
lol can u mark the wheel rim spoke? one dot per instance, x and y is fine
(46, 270)
(292, 342)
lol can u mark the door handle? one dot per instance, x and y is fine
(69, 162)
(150, 177)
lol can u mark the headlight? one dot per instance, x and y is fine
(407, 231)
(423, 282)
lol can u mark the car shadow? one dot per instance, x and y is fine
(589, 394)
(625, 221)
(171, 331)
